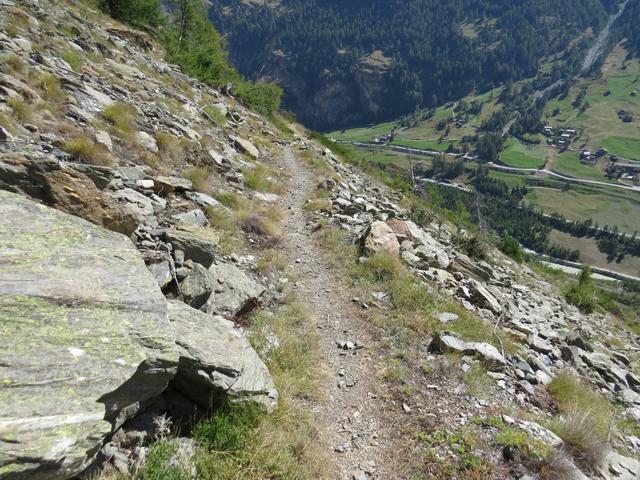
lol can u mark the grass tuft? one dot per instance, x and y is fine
(121, 117)
(14, 64)
(261, 179)
(584, 420)
(74, 59)
(201, 178)
(49, 86)
(83, 150)
(21, 110)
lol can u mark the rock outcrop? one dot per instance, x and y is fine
(87, 342)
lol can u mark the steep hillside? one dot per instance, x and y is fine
(344, 63)
(192, 290)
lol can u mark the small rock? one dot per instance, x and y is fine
(446, 317)
(147, 141)
(406, 408)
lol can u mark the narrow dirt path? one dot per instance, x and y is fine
(349, 417)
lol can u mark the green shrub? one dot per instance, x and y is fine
(511, 247)
(140, 13)
(583, 294)
(472, 245)
(261, 97)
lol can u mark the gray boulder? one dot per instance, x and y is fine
(198, 244)
(197, 287)
(137, 205)
(447, 342)
(88, 343)
(234, 293)
(192, 218)
(166, 185)
(218, 363)
(84, 340)
(483, 298)
(245, 146)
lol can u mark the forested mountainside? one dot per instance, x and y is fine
(347, 62)
(630, 27)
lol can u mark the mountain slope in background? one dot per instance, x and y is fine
(343, 63)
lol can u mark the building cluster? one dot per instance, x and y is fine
(559, 137)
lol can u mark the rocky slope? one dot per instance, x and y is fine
(92, 351)
(123, 283)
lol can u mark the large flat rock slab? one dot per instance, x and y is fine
(84, 338)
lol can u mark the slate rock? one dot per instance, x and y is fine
(197, 287)
(198, 244)
(245, 146)
(234, 292)
(216, 360)
(167, 185)
(136, 204)
(192, 218)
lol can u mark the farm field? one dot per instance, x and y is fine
(605, 207)
(519, 155)
(568, 163)
(590, 254)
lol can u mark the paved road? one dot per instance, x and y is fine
(551, 173)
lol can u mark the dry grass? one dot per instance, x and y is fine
(73, 58)
(83, 150)
(13, 64)
(262, 179)
(584, 421)
(272, 262)
(318, 205)
(224, 221)
(260, 224)
(201, 177)
(21, 110)
(122, 118)
(50, 88)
